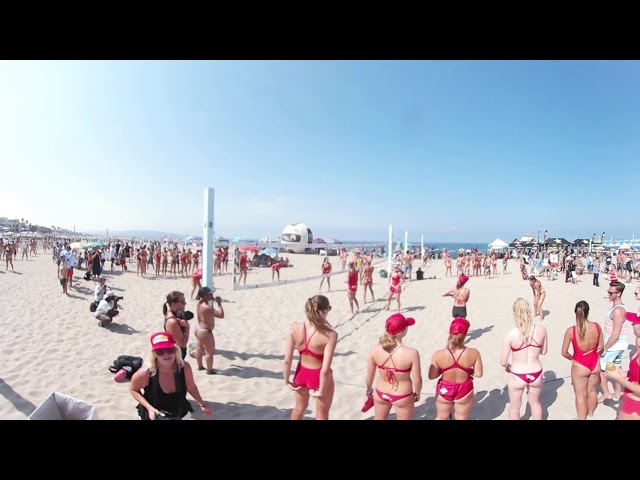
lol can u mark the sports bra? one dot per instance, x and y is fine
(532, 343)
(391, 378)
(456, 364)
(305, 350)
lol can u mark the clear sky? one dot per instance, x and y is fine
(453, 150)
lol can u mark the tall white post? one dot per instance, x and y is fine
(390, 249)
(207, 239)
(406, 239)
(422, 247)
(232, 253)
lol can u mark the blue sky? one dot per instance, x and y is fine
(452, 150)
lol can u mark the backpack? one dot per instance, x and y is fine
(93, 306)
(127, 363)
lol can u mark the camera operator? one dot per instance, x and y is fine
(176, 319)
(204, 329)
(107, 309)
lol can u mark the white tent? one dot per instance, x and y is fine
(498, 244)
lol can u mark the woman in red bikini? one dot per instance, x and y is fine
(525, 343)
(586, 339)
(630, 406)
(352, 286)
(367, 280)
(313, 376)
(456, 366)
(400, 380)
(395, 285)
(326, 273)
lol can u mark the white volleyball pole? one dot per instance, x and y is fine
(422, 247)
(406, 238)
(208, 239)
(389, 249)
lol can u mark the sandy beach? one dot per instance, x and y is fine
(51, 341)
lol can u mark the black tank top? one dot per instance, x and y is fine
(175, 403)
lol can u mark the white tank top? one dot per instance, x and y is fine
(623, 339)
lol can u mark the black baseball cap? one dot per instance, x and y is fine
(202, 291)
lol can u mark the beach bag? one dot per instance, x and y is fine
(93, 306)
(127, 363)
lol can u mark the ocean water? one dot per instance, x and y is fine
(450, 246)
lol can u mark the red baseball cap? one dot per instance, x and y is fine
(463, 279)
(397, 323)
(458, 326)
(632, 317)
(162, 340)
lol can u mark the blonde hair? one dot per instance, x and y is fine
(582, 316)
(313, 308)
(522, 316)
(389, 342)
(456, 341)
(152, 361)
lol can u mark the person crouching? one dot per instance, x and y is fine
(107, 309)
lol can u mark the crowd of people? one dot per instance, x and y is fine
(596, 355)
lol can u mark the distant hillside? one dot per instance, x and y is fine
(147, 234)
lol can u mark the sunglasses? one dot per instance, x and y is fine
(165, 351)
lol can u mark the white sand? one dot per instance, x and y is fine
(52, 342)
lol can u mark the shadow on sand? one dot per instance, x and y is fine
(413, 309)
(240, 411)
(249, 372)
(477, 333)
(122, 328)
(22, 404)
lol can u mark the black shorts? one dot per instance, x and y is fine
(459, 312)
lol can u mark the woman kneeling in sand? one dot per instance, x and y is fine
(161, 385)
(400, 384)
(526, 342)
(456, 366)
(313, 375)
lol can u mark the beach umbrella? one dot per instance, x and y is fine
(76, 246)
(95, 245)
(268, 251)
(248, 248)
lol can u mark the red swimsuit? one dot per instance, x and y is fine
(451, 391)
(589, 359)
(307, 377)
(629, 405)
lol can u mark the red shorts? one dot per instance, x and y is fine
(307, 377)
(451, 391)
(629, 406)
(69, 272)
(353, 288)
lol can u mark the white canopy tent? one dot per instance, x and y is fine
(498, 244)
